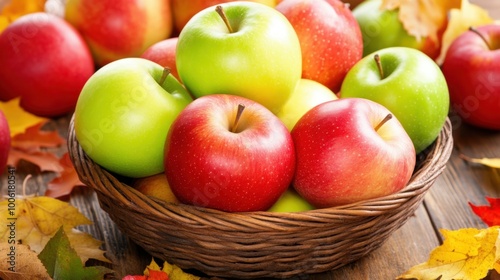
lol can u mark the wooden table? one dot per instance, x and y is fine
(445, 207)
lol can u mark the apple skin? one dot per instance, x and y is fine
(123, 115)
(342, 159)
(414, 90)
(210, 166)
(472, 71)
(183, 10)
(45, 62)
(156, 186)
(261, 60)
(330, 38)
(119, 29)
(383, 29)
(5, 141)
(291, 201)
(163, 53)
(306, 95)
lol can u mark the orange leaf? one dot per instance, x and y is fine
(67, 180)
(44, 160)
(16, 8)
(489, 214)
(19, 120)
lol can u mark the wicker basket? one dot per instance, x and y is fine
(260, 244)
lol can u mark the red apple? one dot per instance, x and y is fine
(119, 29)
(472, 71)
(163, 53)
(183, 10)
(330, 38)
(220, 156)
(44, 61)
(4, 141)
(348, 150)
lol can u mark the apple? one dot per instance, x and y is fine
(291, 201)
(4, 141)
(163, 53)
(45, 62)
(330, 38)
(123, 115)
(119, 29)
(349, 150)
(229, 153)
(306, 95)
(183, 10)
(407, 82)
(156, 186)
(259, 59)
(382, 29)
(471, 68)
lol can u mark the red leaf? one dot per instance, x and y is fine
(46, 161)
(66, 181)
(489, 214)
(157, 275)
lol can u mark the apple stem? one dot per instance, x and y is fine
(166, 72)
(473, 29)
(221, 13)
(382, 122)
(241, 107)
(379, 66)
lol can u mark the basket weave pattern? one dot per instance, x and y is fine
(259, 244)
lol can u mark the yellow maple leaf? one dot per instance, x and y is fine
(36, 219)
(490, 162)
(17, 8)
(467, 253)
(18, 119)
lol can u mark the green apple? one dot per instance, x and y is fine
(382, 29)
(409, 84)
(123, 115)
(246, 49)
(291, 201)
(306, 95)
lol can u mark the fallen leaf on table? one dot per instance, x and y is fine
(459, 22)
(489, 214)
(30, 146)
(18, 119)
(27, 264)
(169, 272)
(490, 162)
(63, 262)
(66, 181)
(38, 219)
(16, 8)
(468, 253)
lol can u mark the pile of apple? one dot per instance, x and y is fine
(258, 102)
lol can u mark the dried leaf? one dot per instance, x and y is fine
(26, 265)
(459, 22)
(19, 120)
(490, 162)
(62, 261)
(16, 8)
(37, 219)
(468, 253)
(66, 181)
(422, 18)
(169, 272)
(489, 214)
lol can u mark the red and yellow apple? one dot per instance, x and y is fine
(163, 53)
(155, 186)
(119, 29)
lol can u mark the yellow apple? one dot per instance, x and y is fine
(306, 95)
(156, 186)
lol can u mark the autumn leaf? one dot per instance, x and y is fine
(490, 162)
(26, 263)
(18, 119)
(38, 218)
(467, 253)
(62, 261)
(489, 214)
(66, 181)
(460, 21)
(169, 272)
(31, 146)
(17, 8)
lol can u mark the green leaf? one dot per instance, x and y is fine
(62, 262)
